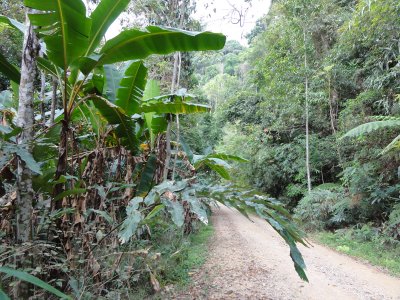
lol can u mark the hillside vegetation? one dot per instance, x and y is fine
(324, 76)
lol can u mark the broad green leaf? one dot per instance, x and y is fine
(135, 44)
(47, 66)
(116, 116)
(102, 17)
(87, 63)
(13, 23)
(176, 211)
(71, 192)
(88, 112)
(24, 155)
(130, 224)
(15, 89)
(227, 157)
(94, 84)
(6, 100)
(135, 202)
(113, 79)
(195, 205)
(171, 186)
(221, 170)
(295, 254)
(64, 179)
(16, 131)
(215, 164)
(158, 190)
(172, 104)
(154, 212)
(298, 261)
(9, 70)
(151, 90)
(152, 198)
(301, 272)
(3, 295)
(159, 124)
(33, 280)
(187, 149)
(101, 213)
(147, 176)
(131, 87)
(64, 28)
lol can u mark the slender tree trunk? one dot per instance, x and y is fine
(42, 96)
(331, 107)
(174, 85)
(167, 149)
(178, 128)
(168, 133)
(25, 120)
(53, 100)
(307, 116)
(177, 146)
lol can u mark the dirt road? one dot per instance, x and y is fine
(250, 261)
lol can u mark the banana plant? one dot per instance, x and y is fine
(73, 53)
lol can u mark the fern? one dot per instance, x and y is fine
(393, 144)
(372, 126)
(384, 118)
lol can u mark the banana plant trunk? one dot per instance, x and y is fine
(25, 120)
(62, 161)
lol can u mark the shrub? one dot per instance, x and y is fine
(324, 208)
(392, 226)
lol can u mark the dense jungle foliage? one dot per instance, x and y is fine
(99, 189)
(112, 152)
(338, 63)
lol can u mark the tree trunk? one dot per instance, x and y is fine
(307, 117)
(333, 96)
(42, 96)
(168, 134)
(174, 84)
(25, 120)
(62, 163)
(53, 100)
(178, 128)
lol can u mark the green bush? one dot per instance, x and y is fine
(392, 226)
(324, 208)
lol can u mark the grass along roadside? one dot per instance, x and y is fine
(196, 252)
(180, 255)
(190, 257)
(374, 251)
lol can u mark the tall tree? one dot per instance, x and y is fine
(25, 120)
(307, 113)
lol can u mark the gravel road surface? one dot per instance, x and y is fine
(248, 260)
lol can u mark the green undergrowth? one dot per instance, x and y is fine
(374, 251)
(180, 255)
(194, 256)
